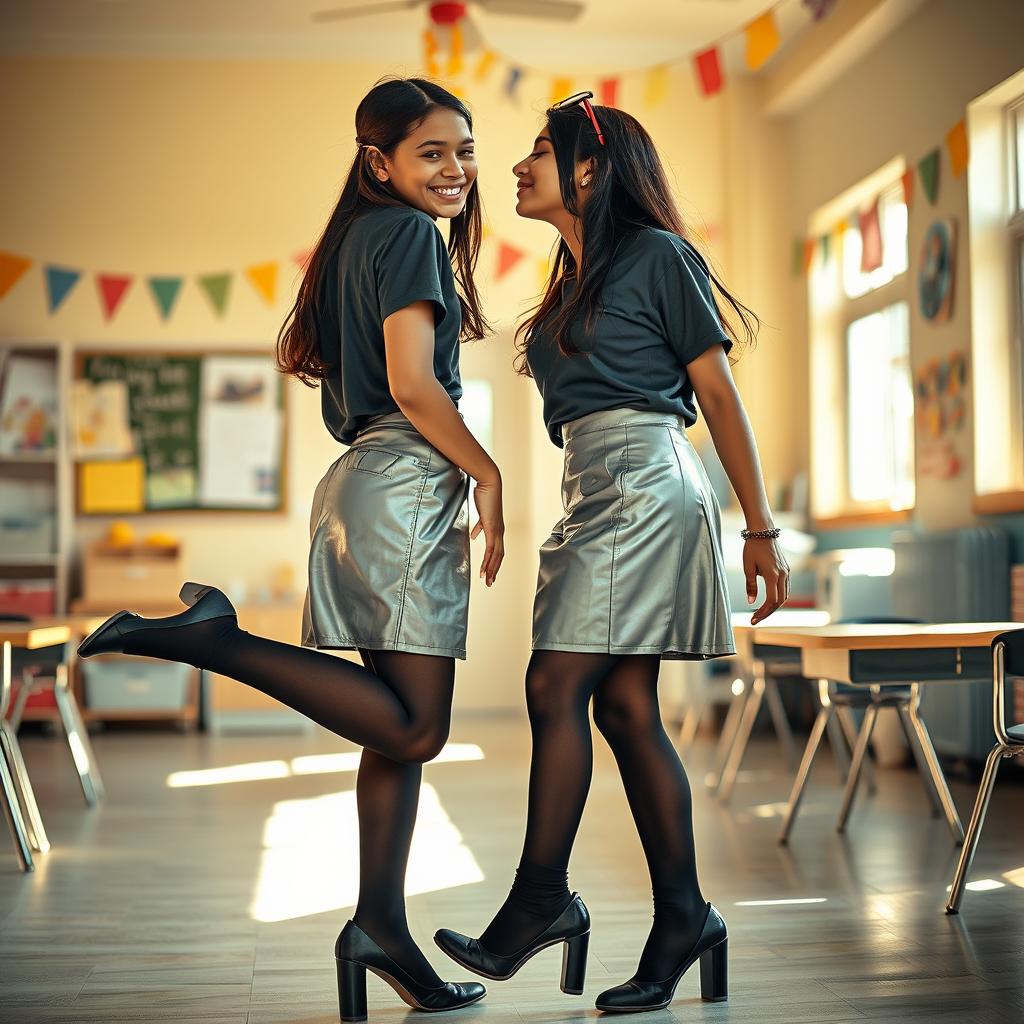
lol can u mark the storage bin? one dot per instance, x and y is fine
(130, 684)
(117, 577)
(27, 535)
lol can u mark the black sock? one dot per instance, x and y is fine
(538, 895)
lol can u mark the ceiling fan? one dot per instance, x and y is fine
(445, 13)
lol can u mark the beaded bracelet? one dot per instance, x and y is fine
(767, 534)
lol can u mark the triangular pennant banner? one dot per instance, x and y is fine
(455, 51)
(709, 71)
(797, 255)
(59, 282)
(825, 240)
(908, 188)
(762, 40)
(870, 239)
(216, 287)
(302, 258)
(508, 257)
(608, 92)
(928, 168)
(657, 85)
(112, 290)
(11, 269)
(515, 76)
(263, 277)
(808, 253)
(956, 143)
(165, 293)
(561, 88)
(487, 61)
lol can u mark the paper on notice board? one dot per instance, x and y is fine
(113, 486)
(240, 456)
(100, 423)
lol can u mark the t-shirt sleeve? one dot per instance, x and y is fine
(409, 269)
(685, 305)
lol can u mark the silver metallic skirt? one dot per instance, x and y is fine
(634, 566)
(389, 547)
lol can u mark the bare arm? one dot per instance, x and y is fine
(731, 432)
(409, 350)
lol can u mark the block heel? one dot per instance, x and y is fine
(351, 990)
(714, 973)
(574, 964)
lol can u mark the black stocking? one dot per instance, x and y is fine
(627, 713)
(559, 685)
(387, 794)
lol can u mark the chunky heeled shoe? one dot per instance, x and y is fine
(204, 603)
(572, 926)
(356, 953)
(711, 948)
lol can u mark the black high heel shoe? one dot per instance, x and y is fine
(572, 926)
(204, 603)
(356, 953)
(711, 948)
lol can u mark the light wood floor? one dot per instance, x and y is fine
(219, 903)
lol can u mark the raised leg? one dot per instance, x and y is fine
(963, 866)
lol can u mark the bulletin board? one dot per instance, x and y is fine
(178, 432)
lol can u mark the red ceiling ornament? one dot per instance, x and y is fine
(447, 14)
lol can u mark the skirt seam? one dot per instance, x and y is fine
(618, 520)
(408, 551)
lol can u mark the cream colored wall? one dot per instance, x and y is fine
(900, 99)
(174, 166)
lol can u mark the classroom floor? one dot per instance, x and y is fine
(211, 884)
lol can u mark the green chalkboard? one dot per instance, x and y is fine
(209, 429)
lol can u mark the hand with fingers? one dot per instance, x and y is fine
(487, 497)
(763, 557)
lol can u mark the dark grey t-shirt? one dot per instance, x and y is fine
(657, 315)
(391, 257)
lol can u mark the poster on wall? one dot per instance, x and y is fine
(940, 394)
(937, 271)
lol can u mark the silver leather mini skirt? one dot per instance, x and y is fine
(634, 566)
(389, 547)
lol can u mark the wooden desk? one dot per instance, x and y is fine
(873, 656)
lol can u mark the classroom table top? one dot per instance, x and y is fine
(875, 636)
(35, 634)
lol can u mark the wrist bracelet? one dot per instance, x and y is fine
(767, 534)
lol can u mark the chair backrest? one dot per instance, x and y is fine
(879, 620)
(1013, 651)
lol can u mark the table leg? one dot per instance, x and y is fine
(77, 735)
(963, 866)
(919, 761)
(859, 752)
(746, 725)
(778, 712)
(804, 771)
(728, 737)
(844, 716)
(932, 760)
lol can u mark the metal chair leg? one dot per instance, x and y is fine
(739, 747)
(691, 722)
(77, 736)
(728, 737)
(19, 705)
(779, 720)
(922, 765)
(859, 752)
(23, 787)
(804, 771)
(12, 812)
(963, 866)
(840, 748)
(932, 760)
(845, 717)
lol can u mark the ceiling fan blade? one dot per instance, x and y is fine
(559, 10)
(340, 13)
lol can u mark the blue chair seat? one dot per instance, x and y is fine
(1016, 733)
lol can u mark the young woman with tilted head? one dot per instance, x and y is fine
(377, 325)
(625, 342)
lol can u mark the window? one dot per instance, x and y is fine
(862, 394)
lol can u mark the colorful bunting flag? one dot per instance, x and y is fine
(508, 256)
(216, 287)
(165, 292)
(484, 64)
(808, 253)
(263, 277)
(870, 239)
(59, 282)
(956, 143)
(303, 257)
(515, 75)
(908, 188)
(709, 71)
(113, 288)
(561, 88)
(430, 53)
(824, 242)
(12, 268)
(762, 40)
(455, 51)
(797, 256)
(608, 92)
(657, 85)
(928, 168)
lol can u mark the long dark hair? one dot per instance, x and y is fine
(387, 114)
(628, 191)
